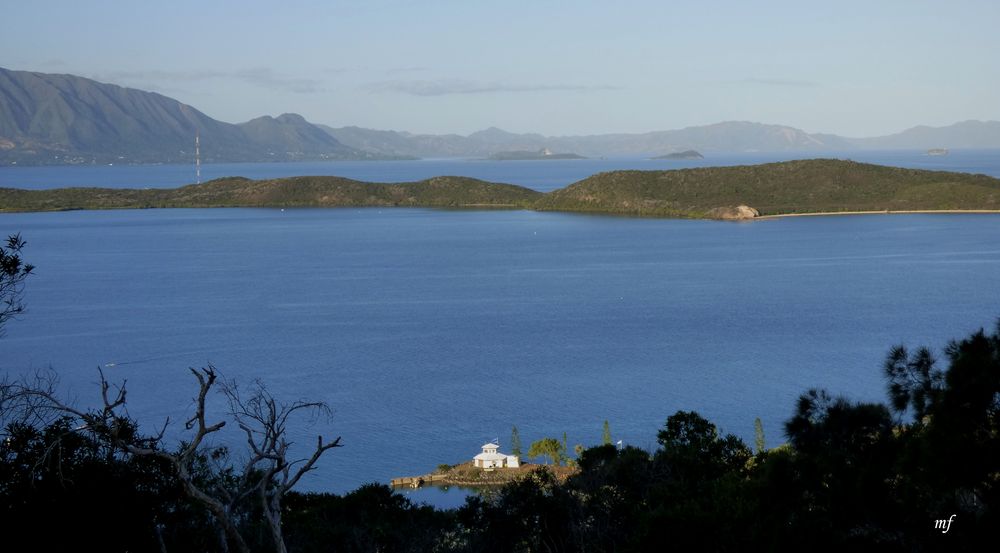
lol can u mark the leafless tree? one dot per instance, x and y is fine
(266, 476)
(268, 472)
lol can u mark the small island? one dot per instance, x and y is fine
(487, 469)
(937, 152)
(686, 154)
(525, 155)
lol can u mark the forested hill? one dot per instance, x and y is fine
(287, 192)
(806, 186)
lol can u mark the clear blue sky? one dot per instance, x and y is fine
(855, 68)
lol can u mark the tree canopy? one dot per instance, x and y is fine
(550, 448)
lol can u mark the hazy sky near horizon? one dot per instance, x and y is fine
(855, 68)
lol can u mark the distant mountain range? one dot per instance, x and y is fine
(967, 134)
(59, 119)
(53, 119)
(730, 136)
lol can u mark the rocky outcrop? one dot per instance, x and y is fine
(737, 213)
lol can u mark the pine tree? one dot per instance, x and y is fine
(606, 436)
(515, 442)
(758, 435)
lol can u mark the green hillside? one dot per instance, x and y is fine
(287, 192)
(806, 186)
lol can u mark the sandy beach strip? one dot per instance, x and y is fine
(880, 212)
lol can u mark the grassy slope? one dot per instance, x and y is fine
(807, 186)
(287, 192)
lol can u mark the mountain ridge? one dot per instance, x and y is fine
(722, 137)
(61, 118)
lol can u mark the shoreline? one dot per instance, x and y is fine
(468, 476)
(515, 207)
(877, 212)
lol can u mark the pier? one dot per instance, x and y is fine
(418, 481)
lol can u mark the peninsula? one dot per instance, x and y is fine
(819, 186)
(467, 475)
(448, 192)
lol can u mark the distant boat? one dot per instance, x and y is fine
(524, 155)
(937, 152)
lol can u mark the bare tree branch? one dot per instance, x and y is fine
(266, 475)
(268, 472)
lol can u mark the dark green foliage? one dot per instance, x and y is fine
(550, 448)
(698, 499)
(515, 442)
(962, 450)
(606, 434)
(913, 381)
(371, 518)
(532, 514)
(844, 461)
(62, 490)
(13, 272)
(693, 450)
(759, 443)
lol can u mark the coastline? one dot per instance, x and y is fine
(877, 212)
(507, 207)
(469, 476)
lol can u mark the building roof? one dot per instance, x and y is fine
(490, 445)
(490, 457)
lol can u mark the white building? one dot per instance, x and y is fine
(491, 459)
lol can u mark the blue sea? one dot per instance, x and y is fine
(543, 175)
(430, 332)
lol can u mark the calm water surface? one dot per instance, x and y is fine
(540, 175)
(430, 332)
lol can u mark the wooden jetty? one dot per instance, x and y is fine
(418, 481)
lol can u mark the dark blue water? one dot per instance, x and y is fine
(540, 175)
(430, 332)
